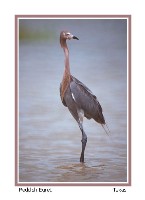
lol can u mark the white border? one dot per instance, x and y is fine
(7, 155)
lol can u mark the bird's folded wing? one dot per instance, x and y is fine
(86, 100)
(83, 85)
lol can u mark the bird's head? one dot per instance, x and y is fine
(65, 35)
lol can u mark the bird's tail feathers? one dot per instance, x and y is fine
(106, 128)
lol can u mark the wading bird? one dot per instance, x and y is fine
(79, 99)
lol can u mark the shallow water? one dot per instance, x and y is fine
(49, 137)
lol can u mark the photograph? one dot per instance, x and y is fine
(72, 100)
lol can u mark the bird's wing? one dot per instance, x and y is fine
(83, 85)
(62, 99)
(86, 100)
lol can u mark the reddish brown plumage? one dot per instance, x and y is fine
(66, 76)
(64, 84)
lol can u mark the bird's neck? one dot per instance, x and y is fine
(66, 53)
(67, 75)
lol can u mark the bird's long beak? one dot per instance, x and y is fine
(74, 37)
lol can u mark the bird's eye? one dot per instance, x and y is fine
(67, 33)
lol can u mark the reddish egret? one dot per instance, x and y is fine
(79, 99)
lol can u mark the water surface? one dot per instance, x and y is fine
(49, 137)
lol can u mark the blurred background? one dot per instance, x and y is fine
(49, 137)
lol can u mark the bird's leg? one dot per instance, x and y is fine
(84, 136)
(84, 141)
